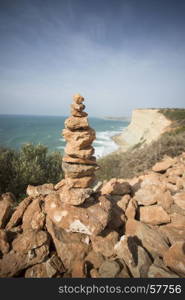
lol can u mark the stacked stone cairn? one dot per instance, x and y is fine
(79, 163)
(74, 206)
(80, 228)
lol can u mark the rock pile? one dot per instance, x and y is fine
(120, 228)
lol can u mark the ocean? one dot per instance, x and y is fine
(17, 130)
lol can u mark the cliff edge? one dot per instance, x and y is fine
(146, 126)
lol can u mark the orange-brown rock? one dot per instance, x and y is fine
(13, 262)
(166, 200)
(77, 98)
(173, 234)
(78, 269)
(46, 269)
(177, 220)
(94, 273)
(33, 217)
(117, 218)
(38, 220)
(176, 170)
(179, 199)
(79, 114)
(116, 187)
(81, 138)
(38, 190)
(9, 197)
(151, 239)
(76, 160)
(18, 213)
(29, 249)
(79, 107)
(153, 215)
(148, 195)
(105, 244)
(159, 270)
(123, 202)
(131, 209)
(176, 209)
(124, 273)
(7, 201)
(150, 179)
(4, 245)
(73, 196)
(77, 170)
(74, 123)
(82, 182)
(85, 153)
(169, 186)
(163, 165)
(70, 247)
(89, 219)
(95, 259)
(40, 271)
(174, 258)
(29, 240)
(119, 204)
(109, 269)
(135, 257)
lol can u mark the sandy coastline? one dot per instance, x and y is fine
(146, 126)
(122, 145)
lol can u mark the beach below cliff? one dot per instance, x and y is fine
(146, 126)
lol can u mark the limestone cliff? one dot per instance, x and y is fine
(146, 126)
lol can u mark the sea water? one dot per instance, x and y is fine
(18, 130)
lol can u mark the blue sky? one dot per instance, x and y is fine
(119, 54)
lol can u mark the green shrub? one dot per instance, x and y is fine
(31, 165)
(176, 114)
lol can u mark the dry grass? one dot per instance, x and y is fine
(132, 163)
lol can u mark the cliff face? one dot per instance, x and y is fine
(146, 126)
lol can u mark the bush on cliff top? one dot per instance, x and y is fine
(177, 115)
(131, 163)
(31, 165)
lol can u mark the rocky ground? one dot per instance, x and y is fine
(124, 228)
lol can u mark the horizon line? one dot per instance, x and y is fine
(44, 115)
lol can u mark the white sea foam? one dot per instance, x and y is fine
(104, 144)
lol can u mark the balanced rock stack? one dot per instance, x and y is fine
(75, 206)
(79, 163)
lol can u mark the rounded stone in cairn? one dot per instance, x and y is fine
(78, 170)
(78, 107)
(76, 160)
(73, 151)
(74, 123)
(77, 98)
(81, 138)
(79, 114)
(82, 182)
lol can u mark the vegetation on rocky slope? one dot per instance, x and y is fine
(34, 165)
(177, 115)
(31, 165)
(133, 162)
